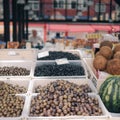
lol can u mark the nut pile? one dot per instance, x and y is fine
(59, 54)
(64, 99)
(67, 86)
(13, 71)
(6, 88)
(59, 70)
(11, 106)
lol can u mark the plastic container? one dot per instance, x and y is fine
(18, 54)
(105, 115)
(36, 82)
(28, 65)
(86, 53)
(97, 77)
(61, 77)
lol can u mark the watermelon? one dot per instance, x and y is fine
(110, 94)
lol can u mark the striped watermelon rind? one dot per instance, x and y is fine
(110, 93)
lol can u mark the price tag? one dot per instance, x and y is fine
(62, 61)
(12, 53)
(43, 54)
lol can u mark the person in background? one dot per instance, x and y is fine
(35, 39)
(2, 44)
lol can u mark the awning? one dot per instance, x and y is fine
(101, 27)
(81, 28)
(116, 27)
(57, 27)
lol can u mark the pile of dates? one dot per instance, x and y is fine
(66, 85)
(6, 88)
(59, 54)
(10, 104)
(13, 71)
(59, 70)
(62, 98)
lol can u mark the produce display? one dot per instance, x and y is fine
(59, 54)
(110, 93)
(6, 88)
(67, 85)
(70, 69)
(108, 59)
(62, 98)
(11, 105)
(13, 71)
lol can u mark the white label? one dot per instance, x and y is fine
(62, 61)
(12, 53)
(43, 54)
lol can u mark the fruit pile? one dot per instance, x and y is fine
(62, 98)
(110, 93)
(108, 59)
(59, 54)
(66, 84)
(59, 70)
(6, 88)
(10, 104)
(13, 71)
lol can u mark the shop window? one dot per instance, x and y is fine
(73, 5)
(55, 4)
(61, 4)
(102, 7)
(34, 5)
(85, 4)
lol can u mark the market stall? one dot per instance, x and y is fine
(58, 85)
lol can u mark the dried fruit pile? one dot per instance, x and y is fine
(108, 59)
(59, 70)
(59, 54)
(10, 104)
(6, 88)
(62, 98)
(13, 71)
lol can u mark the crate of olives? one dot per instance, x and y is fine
(80, 85)
(18, 54)
(14, 86)
(12, 107)
(65, 106)
(53, 55)
(13, 70)
(73, 69)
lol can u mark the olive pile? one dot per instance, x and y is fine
(66, 86)
(59, 54)
(59, 70)
(11, 106)
(13, 71)
(62, 98)
(6, 88)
